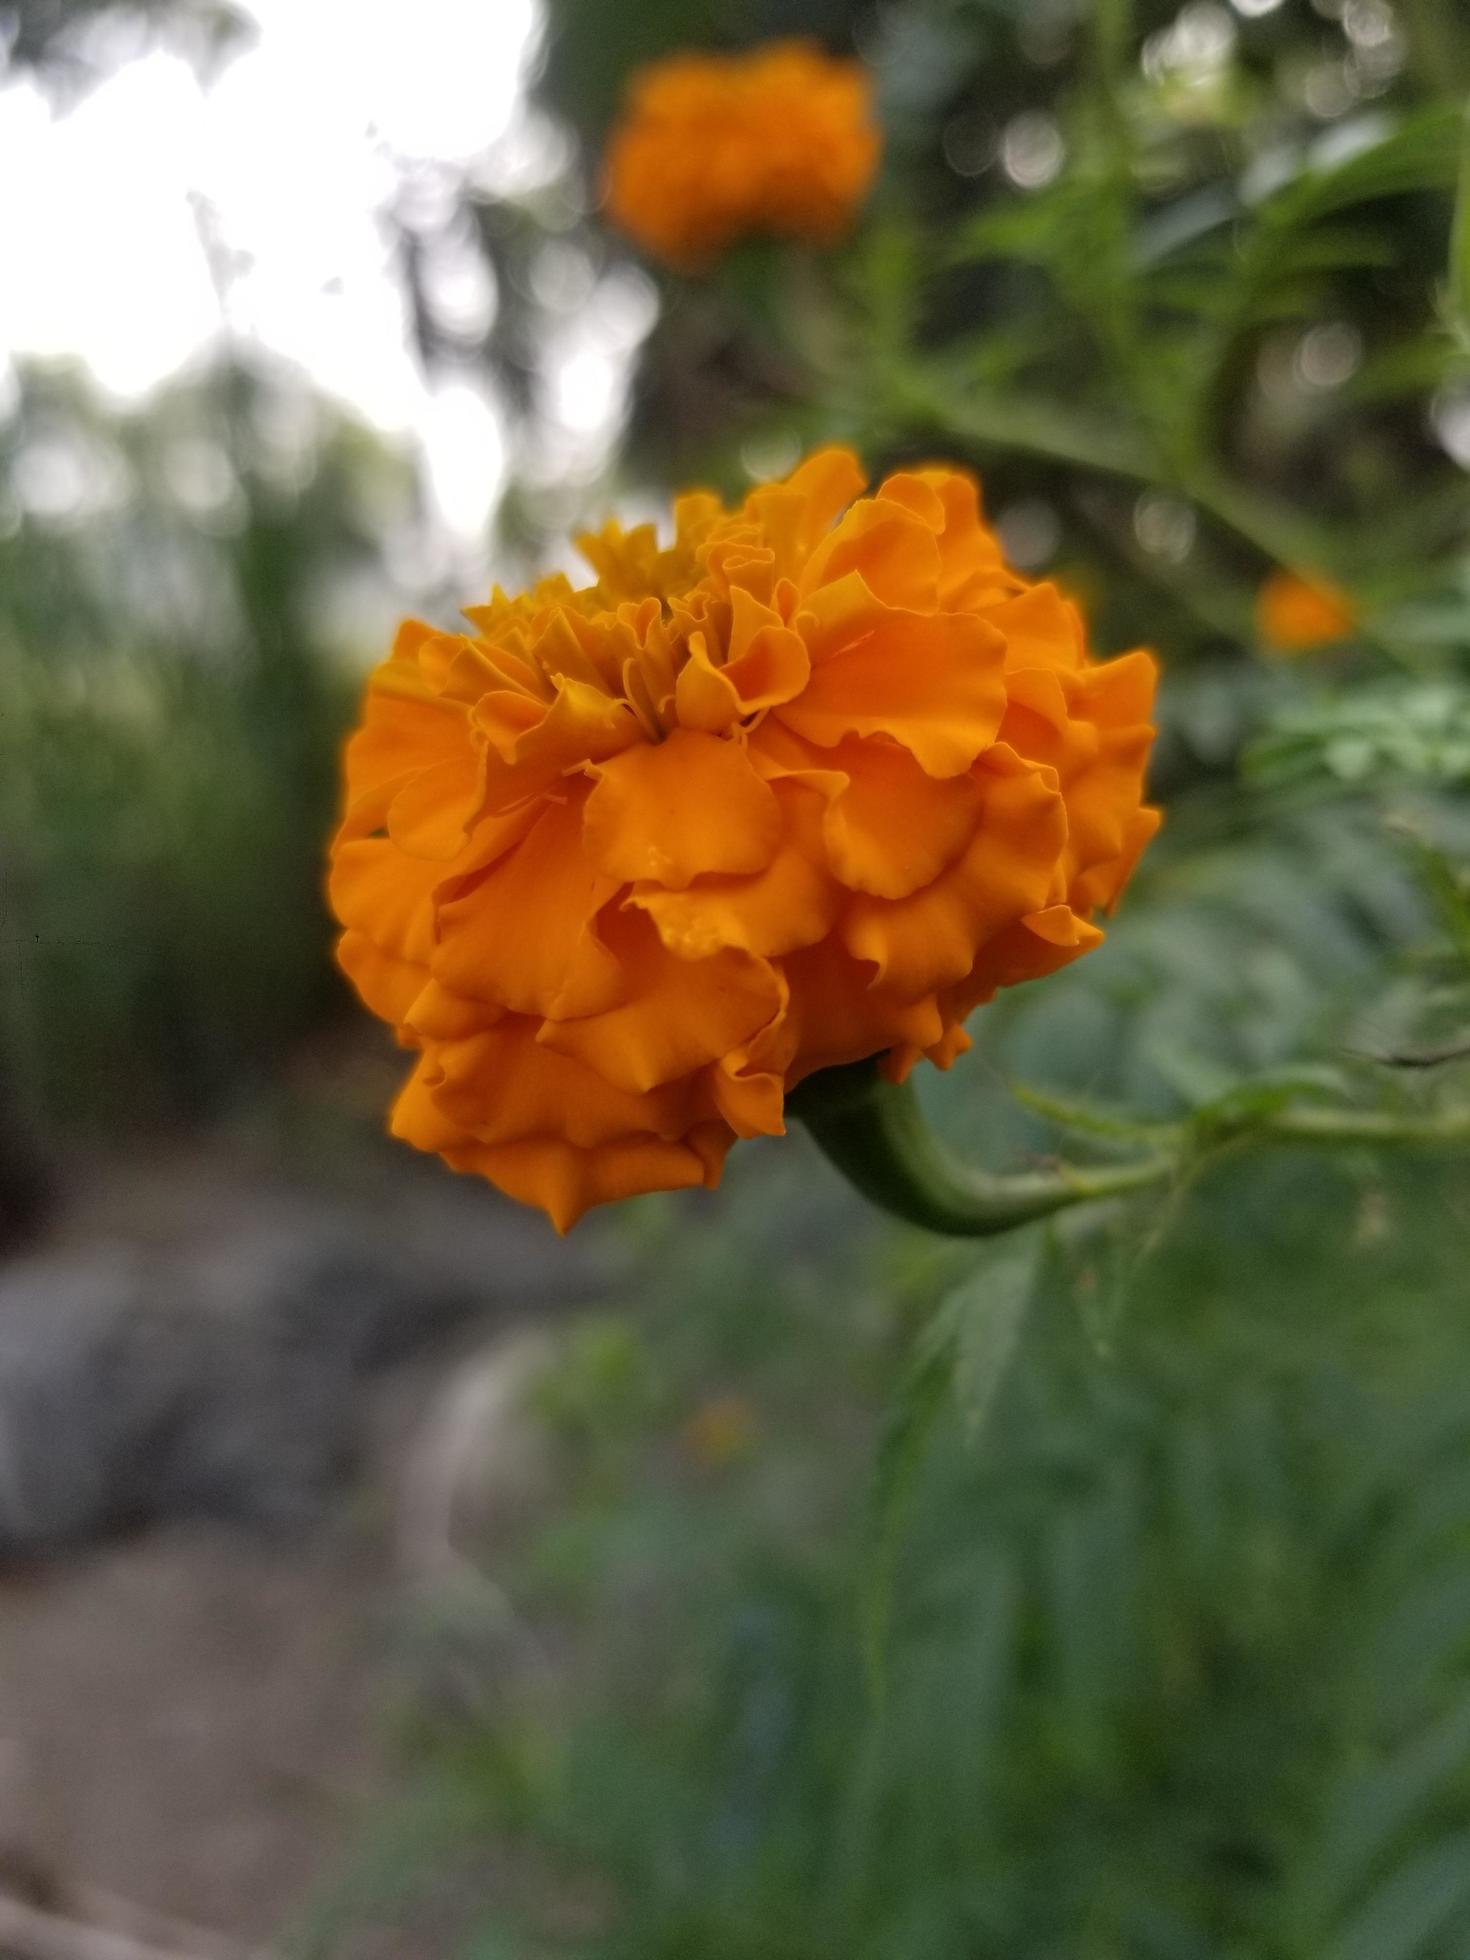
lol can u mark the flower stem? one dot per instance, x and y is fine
(876, 1134)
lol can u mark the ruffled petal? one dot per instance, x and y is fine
(1042, 629)
(565, 1182)
(896, 554)
(431, 815)
(669, 811)
(836, 1016)
(894, 827)
(502, 1085)
(388, 896)
(523, 935)
(676, 1016)
(386, 986)
(933, 682)
(930, 940)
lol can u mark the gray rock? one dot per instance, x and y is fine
(224, 1378)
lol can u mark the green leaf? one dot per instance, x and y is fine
(1424, 1895)
(1377, 1803)
(960, 1358)
(1421, 153)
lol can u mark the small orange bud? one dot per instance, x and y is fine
(1295, 613)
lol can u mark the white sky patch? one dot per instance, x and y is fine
(162, 212)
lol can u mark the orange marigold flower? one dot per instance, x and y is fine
(714, 148)
(627, 862)
(1295, 613)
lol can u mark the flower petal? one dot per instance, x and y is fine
(931, 939)
(791, 902)
(386, 986)
(894, 827)
(677, 1015)
(565, 1182)
(668, 811)
(931, 681)
(532, 747)
(523, 934)
(378, 890)
(502, 1085)
(895, 552)
(836, 1016)
(430, 816)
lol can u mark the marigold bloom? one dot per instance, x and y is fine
(1295, 613)
(627, 862)
(714, 148)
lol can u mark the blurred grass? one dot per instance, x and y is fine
(1179, 1660)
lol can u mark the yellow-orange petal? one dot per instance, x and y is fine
(1100, 886)
(379, 891)
(933, 682)
(437, 1015)
(417, 1116)
(836, 1016)
(894, 827)
(565, 1182)
(972, 568)
(704, 696)
(895, 554)
(676, 1016)
(405, 728)
(668, 811)
(386, 986)
(1042, 630)
(791, 902)
(899, 1063)
(532, 745)
(502, 1085)
(930, 939)
(1041, 943)
(431, 815)
(524, 934)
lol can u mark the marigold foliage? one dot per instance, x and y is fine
(626, 863)
(780, 143)
(1295, 613)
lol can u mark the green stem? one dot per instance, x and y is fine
(876, 1134)
(1416, 1129)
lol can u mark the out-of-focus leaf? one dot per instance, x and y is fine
(1377, 734)
(1422, 152)
(961, 1357)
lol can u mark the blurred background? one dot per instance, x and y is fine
(380, 1575)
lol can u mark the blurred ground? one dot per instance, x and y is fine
(261, 1385)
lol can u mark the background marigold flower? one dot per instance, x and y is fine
(780, 143)
(625, 863)
(1295, 613)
